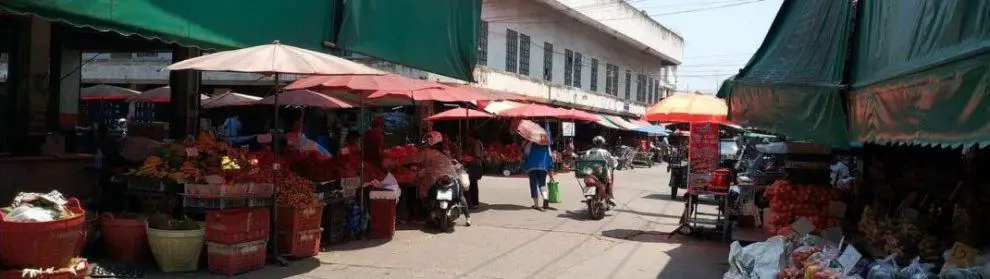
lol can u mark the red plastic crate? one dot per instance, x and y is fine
(302, 244)
(235, 259)
(383, 218)
(294, 219)
(233, 226)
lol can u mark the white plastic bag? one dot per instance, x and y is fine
(757, 261)
(27, 213)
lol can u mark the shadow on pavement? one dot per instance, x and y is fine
(500, 207)
(695, 256)
(658, 215)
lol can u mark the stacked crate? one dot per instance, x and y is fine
(299, 230)
(238, 224)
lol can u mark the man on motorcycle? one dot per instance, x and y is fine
(598, 152)
(434, 163)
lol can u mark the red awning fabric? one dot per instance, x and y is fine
(583, 115)
(106, 93)
(306, 98)
(534, 110)
(491, 94)
(387, 82)
(459, 113)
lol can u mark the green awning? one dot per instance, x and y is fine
(213, 24)
(922, 73)
(791, 86)
(440, 36)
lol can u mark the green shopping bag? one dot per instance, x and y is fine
(554, 191)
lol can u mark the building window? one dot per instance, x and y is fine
(628, 83)
(613, 79)
(594, 75)
(547, 61)
(511, 50)
(524, 54)
(609, 73)
(568, 66)
(577, 69)
(656, 91)
(640, 88)
(649, 90)
(483, 44)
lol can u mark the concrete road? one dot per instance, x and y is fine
(510, 240)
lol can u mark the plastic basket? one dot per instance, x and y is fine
(126, 239)
(383, 218)
(176, 251)
(334, 221)
(217, 190)
(301, 245)
(582, 167)
(293, 219)
(235, 259)
(209, 203)
(78, 268)
(43, 244)
(234, 226)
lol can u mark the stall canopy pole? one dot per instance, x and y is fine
(276, 138)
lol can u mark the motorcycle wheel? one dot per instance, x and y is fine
(595, 209)
(444, 222)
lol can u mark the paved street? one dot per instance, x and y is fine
(510, 240)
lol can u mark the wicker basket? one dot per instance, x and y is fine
(176, 251)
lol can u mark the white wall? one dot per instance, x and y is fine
(620, 17)
(545, 24)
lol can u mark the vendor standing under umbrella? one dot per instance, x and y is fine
(374, 142)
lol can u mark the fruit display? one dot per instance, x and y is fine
(511, 154)
(192, 160)
(789, 202)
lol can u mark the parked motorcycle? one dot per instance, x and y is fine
(444, 199)
(591, 179)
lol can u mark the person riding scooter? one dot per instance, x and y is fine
(435, 163)
(598, 152)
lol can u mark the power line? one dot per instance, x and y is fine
(651, 15)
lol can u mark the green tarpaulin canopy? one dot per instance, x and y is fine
(214, 24)
(439, 36)
(792, 84)
(922, 73)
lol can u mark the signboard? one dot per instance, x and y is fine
(568, 129)
(702, 155)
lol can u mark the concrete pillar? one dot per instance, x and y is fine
(184, 104)
(32, 69)
(70, 81)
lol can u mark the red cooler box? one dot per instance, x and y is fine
(383, 213)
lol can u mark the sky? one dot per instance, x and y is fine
(719, 35)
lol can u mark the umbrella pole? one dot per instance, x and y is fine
(360, 189)
(273, 209)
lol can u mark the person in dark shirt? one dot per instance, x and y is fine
(374, 141)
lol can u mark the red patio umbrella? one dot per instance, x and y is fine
(533, 110)
(158, 95)
(439, 93)
(583, 115)
(106, 93)
(230, 99)
(306, 98)
(459, 113)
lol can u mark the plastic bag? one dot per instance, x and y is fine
(27, 213)
(884, 269)
(800, 255)
(756, 261)
(918, 270)
(955, 272)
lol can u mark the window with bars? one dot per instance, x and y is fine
(524, 44)
(656, 91)
(483, 43)
(608, 78)
(640, 88)
(649, 89)
(615, 80)
(577, 69)
(593, 86)
(628, 83)
(511, 51)
(568, 66)
(547, 61)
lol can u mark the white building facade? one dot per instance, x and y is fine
(601, 55)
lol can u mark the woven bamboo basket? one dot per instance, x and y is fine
(176, 251)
